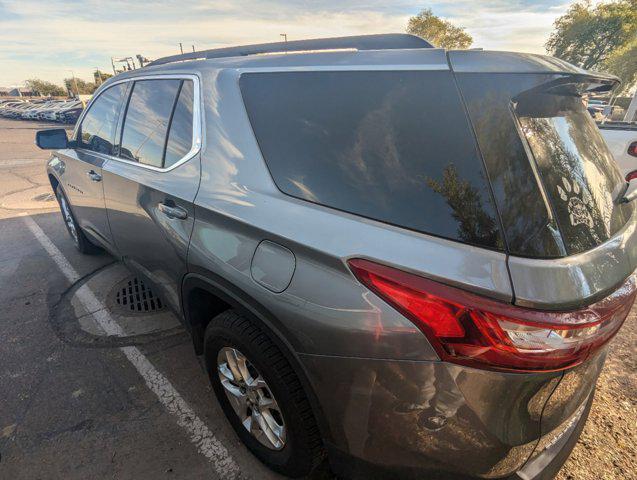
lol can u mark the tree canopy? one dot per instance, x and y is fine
(623, 63)
(44, 88)
(83, 87)
(600, 37)
(437, 31)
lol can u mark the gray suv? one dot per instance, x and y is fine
(404, 259)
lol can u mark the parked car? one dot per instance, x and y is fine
(408, 259)
(16, 110)
(69, 113)
(7, 107)
(621, 138)
(49, 113)
(35, 109)
(65, 111)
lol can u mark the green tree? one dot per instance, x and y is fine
(598, 37)
(101, 77)
(623, 63)
(437, 31)
(79, 86)
(44, 88)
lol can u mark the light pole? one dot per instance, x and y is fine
(285, 37)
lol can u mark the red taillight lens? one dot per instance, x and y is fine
(472, 330)
(632, 149)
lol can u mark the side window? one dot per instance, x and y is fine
(147, 120)
(97, 131)
(179, 140)
(393, 146)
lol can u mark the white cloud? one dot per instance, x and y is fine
(46, 39)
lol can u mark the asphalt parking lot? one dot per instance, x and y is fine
(94, 389)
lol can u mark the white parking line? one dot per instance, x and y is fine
(17, 163)
(207, 444)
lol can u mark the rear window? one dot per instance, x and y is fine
(578, 172)
(391, 146)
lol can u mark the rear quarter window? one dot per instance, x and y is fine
(394, 146)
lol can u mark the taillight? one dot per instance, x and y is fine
(632, 149)
(469, 329)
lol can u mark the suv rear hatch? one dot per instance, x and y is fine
(571, 243)
(556, 185)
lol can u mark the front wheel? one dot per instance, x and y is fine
(261, 395)
(82, 243)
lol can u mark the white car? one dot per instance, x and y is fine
(53, 114)
(621, 138)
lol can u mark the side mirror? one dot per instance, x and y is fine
(52, 139)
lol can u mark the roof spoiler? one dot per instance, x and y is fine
(387, 41)
(577, 84)
(571, 78)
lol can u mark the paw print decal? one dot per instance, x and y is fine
(578, 203)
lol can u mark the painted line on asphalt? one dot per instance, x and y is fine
(207, 444)
(18, 163)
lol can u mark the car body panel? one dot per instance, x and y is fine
(86, 195)
(159, 246)
(576, 280)
(493, 420)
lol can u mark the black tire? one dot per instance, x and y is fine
(303, 450)
(82, 243)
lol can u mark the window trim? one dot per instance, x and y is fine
(197, 121)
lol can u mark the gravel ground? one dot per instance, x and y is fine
(607, 449)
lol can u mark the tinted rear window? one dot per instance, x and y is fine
(579, 174)
(391, 146)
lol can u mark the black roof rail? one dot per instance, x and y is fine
(384, 41)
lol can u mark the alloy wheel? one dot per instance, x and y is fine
(251, 398)
(68, 218)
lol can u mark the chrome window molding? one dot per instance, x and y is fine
(197, 123)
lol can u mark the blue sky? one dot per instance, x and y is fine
(48, 38)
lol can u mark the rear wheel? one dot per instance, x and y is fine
(261, 395)
(82, 243)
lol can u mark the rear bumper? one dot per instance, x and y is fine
(542, 466)
(546, 461)
(398, 419)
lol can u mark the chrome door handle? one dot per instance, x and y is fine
(173, 212)
(96, 177)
